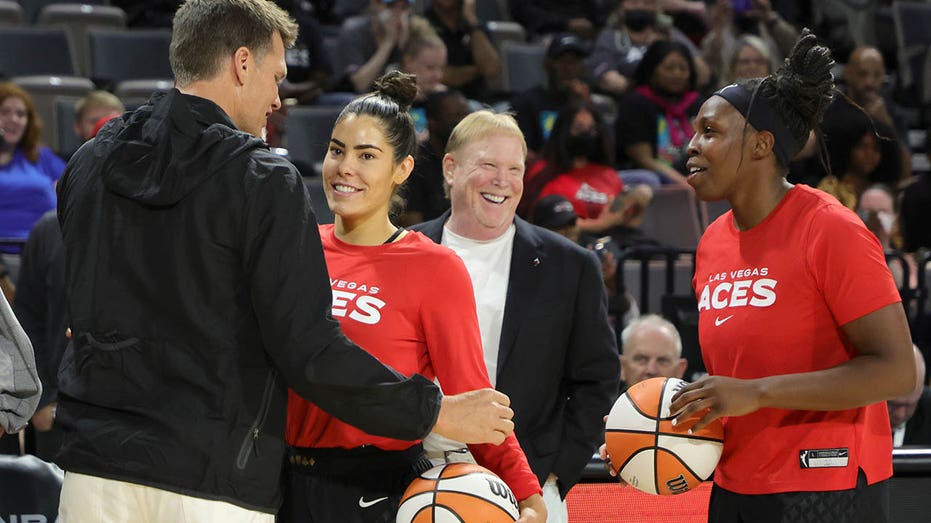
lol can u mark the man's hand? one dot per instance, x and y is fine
(532, 510)
(43, 419)
(478, 416)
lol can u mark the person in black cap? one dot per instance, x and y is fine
(801, 326)
(537, 107)
(555, 212)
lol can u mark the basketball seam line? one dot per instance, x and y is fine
(669, 434)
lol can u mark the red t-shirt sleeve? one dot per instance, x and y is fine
(455, 346)
(849, 265)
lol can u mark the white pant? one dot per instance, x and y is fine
(89, 499)
(556, 511)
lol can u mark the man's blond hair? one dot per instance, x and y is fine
(96, 99)
(481, 124)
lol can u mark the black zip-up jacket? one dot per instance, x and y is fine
(198, 292)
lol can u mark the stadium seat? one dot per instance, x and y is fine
(68, 142)
(307, 133)
(672, 217)
(912, 20)
(34, 51)
(117, 56)
(32, 8)
(522, 66)
(318, 200)
(137, 92)
(488, 10)
(77, 19)
(11, 13)
(710, 211)
(45, 91)
(499, 32)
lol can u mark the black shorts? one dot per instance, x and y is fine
(361, 485)
(861, 504)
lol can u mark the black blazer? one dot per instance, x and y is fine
(558, 359)
(918, 427)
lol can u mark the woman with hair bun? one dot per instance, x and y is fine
(801, 325)
(414, 323)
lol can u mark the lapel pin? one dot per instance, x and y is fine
(536, 262)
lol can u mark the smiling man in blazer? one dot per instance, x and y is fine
(541, 303)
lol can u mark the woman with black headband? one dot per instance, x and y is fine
(800, 323)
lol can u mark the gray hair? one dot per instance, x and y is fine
(656, 321)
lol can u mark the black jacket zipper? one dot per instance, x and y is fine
(250, 444)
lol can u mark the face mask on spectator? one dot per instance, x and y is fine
(580, 145)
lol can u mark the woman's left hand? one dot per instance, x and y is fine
(713, 397)
(532, 510)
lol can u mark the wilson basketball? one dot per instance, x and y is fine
(457, 492)
(648, 452)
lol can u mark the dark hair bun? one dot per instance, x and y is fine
(804, 83)
(398, 87)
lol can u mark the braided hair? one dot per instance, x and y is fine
(801, 89)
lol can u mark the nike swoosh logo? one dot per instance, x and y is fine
(720, 321)
(367, 504)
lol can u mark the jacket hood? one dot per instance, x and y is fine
(162, 151)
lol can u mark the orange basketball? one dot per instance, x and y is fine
(457, 492)
(648, 452)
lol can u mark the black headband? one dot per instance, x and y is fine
(762, 117)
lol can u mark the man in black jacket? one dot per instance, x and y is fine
(197, 294)
(542, 307)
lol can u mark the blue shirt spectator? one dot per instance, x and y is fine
(27, 171)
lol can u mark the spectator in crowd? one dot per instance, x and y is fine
(369, 43)
(328, 13)
(536, 109)
(407, 325)
(752, 58)
(424, 193)
(654, 126)
(91, 109)
(865, 80)
(310, 68)
(730, 20)
(541, 306)
(424, 56)
(650, 348)
(910, 415)
(28, 171)
(862, 152)
(472, 60)
(556, 213)
(197, 294)
(40, 308)
(577, 164)
(916, 209)
(877, 209)
(631, 28)
(548, 17)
